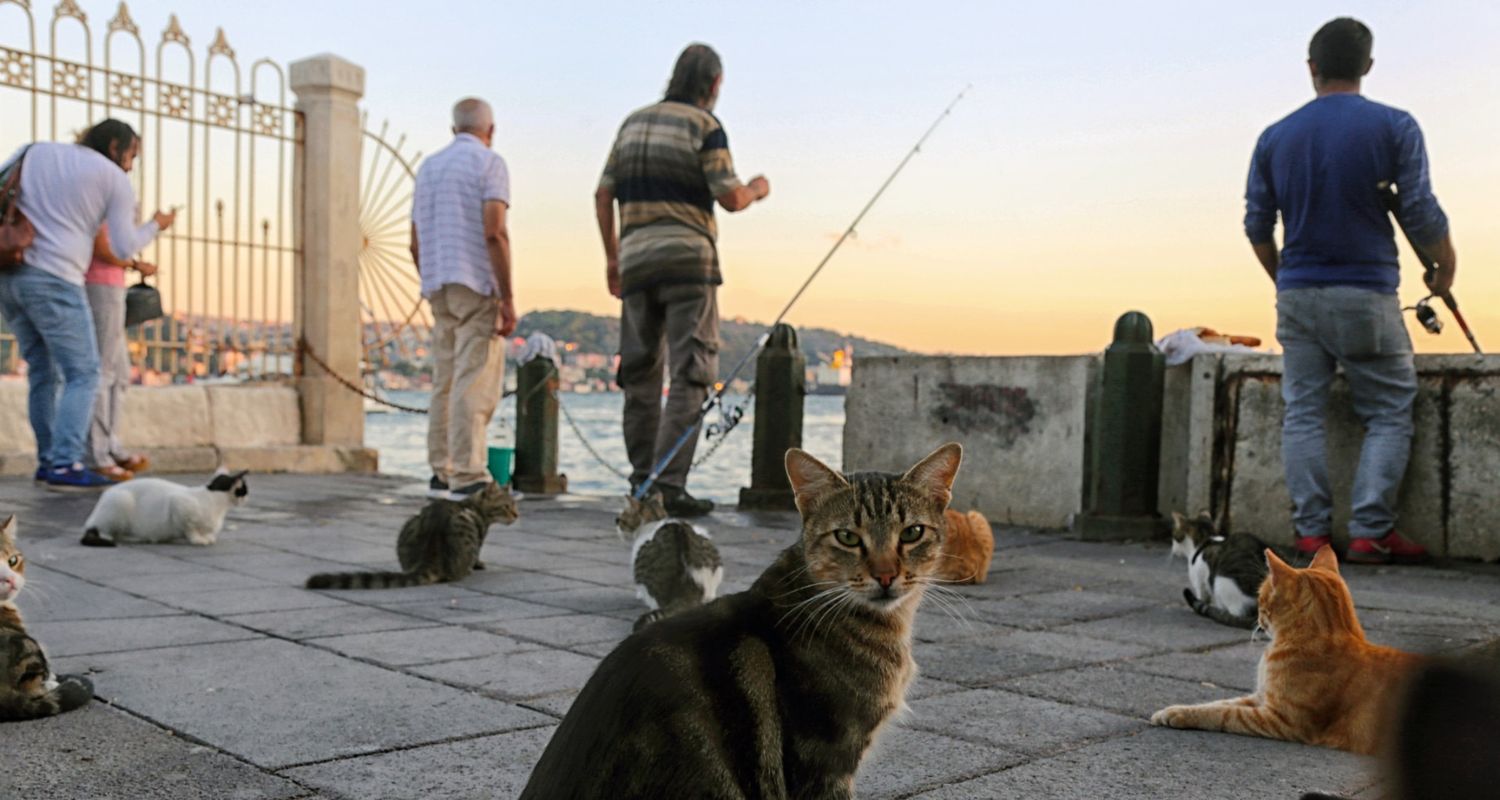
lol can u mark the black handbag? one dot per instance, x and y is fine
(142, 304)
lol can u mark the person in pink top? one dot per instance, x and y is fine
(105, 284)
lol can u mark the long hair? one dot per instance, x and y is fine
(693, 77)
(110, 131)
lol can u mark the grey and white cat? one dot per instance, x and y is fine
(675, 564)
(1224, 572)
(440, 544)
(156, 510)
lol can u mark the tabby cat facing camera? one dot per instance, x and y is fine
(440, 544)
(28, 689)
(780, 690)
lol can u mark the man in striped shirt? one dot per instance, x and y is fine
(669, 164)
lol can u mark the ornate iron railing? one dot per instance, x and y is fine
(219, 145)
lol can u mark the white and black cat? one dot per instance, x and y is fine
(156, 510)
(675, 564)
(1224, 572)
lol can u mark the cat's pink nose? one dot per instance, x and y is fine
(885, 581)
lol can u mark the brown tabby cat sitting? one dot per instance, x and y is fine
(1320, 681)
(440, 544)
(28, 689)
(777, 691)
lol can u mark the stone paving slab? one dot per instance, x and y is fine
(100, 752)
(485, 768)
(92, 636)
(1016, 722)
(1035, 684)
(1162, 763)
(276, 704)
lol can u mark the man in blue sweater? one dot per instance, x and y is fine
(1336, 276)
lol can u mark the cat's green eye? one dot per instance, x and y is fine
(913, 534)
(14, 560)
(846, 538)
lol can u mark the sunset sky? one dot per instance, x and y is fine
(1097, 166)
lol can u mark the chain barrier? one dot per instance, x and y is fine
(718, 431)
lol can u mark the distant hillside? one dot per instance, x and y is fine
(600, 334)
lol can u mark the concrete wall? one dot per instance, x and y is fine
(196, 428)
(1221, 450)
(1022, 422)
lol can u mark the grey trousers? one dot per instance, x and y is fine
(108, 305)
(1363, 332)
(683, 318)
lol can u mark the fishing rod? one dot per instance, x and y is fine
(717, 395)
(1423, 309)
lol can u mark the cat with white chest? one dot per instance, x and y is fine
(156, 510)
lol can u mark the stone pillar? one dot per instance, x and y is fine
(780, 384)
(325, 223)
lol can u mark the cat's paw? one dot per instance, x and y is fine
(74, 691)
(1171, 717)
(1192, 600)
(479, 565)
(91, 538)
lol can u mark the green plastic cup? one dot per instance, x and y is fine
(500, 461)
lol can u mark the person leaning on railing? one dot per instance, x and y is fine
(67, 192)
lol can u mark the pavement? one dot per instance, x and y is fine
(218, 676)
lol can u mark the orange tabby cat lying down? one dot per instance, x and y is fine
(1320, 682)
(967, 547)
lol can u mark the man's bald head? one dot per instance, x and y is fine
(472, 115)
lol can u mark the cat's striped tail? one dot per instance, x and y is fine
(370, 580)
(1217, 614)
(72, 691)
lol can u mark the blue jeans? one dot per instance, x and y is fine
(55, 331)
(1363, 332)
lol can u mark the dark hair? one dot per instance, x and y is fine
(110, 131)
(1341, 49)
(693, 77)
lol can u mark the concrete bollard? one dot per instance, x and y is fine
(1125, 454)
(536, 429)
(780, 385)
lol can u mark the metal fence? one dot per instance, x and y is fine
(219, 142)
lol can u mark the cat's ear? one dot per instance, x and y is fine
(1280, 570)
(1325, 559)
(8, 531)
(934, 474)
(1178, 521)
(811, 479)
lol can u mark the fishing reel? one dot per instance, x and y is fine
(729, 416)
(1427, 315)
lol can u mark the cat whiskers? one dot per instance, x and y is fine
(944, 597)
(804, 612)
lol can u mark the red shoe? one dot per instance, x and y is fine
(1310, 545)
(1392, 548)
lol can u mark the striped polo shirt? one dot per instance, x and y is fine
(668, 164)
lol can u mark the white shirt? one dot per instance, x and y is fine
(447, 207)
(68, 191)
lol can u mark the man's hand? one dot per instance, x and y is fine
(505, 323)
(164, 219)
(1444, 259)
(761, 187)
(1438, 282)
(146, 268)
(612, 276)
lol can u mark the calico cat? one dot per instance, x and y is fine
(967, 548)
(675, 564)
(1224, 572)
(156, 510)
(440, 544)
(780, 690)
(28, 689)
(1320, 682)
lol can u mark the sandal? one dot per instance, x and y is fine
(136, 463)
(115, 473)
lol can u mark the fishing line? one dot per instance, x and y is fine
(717, 395)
